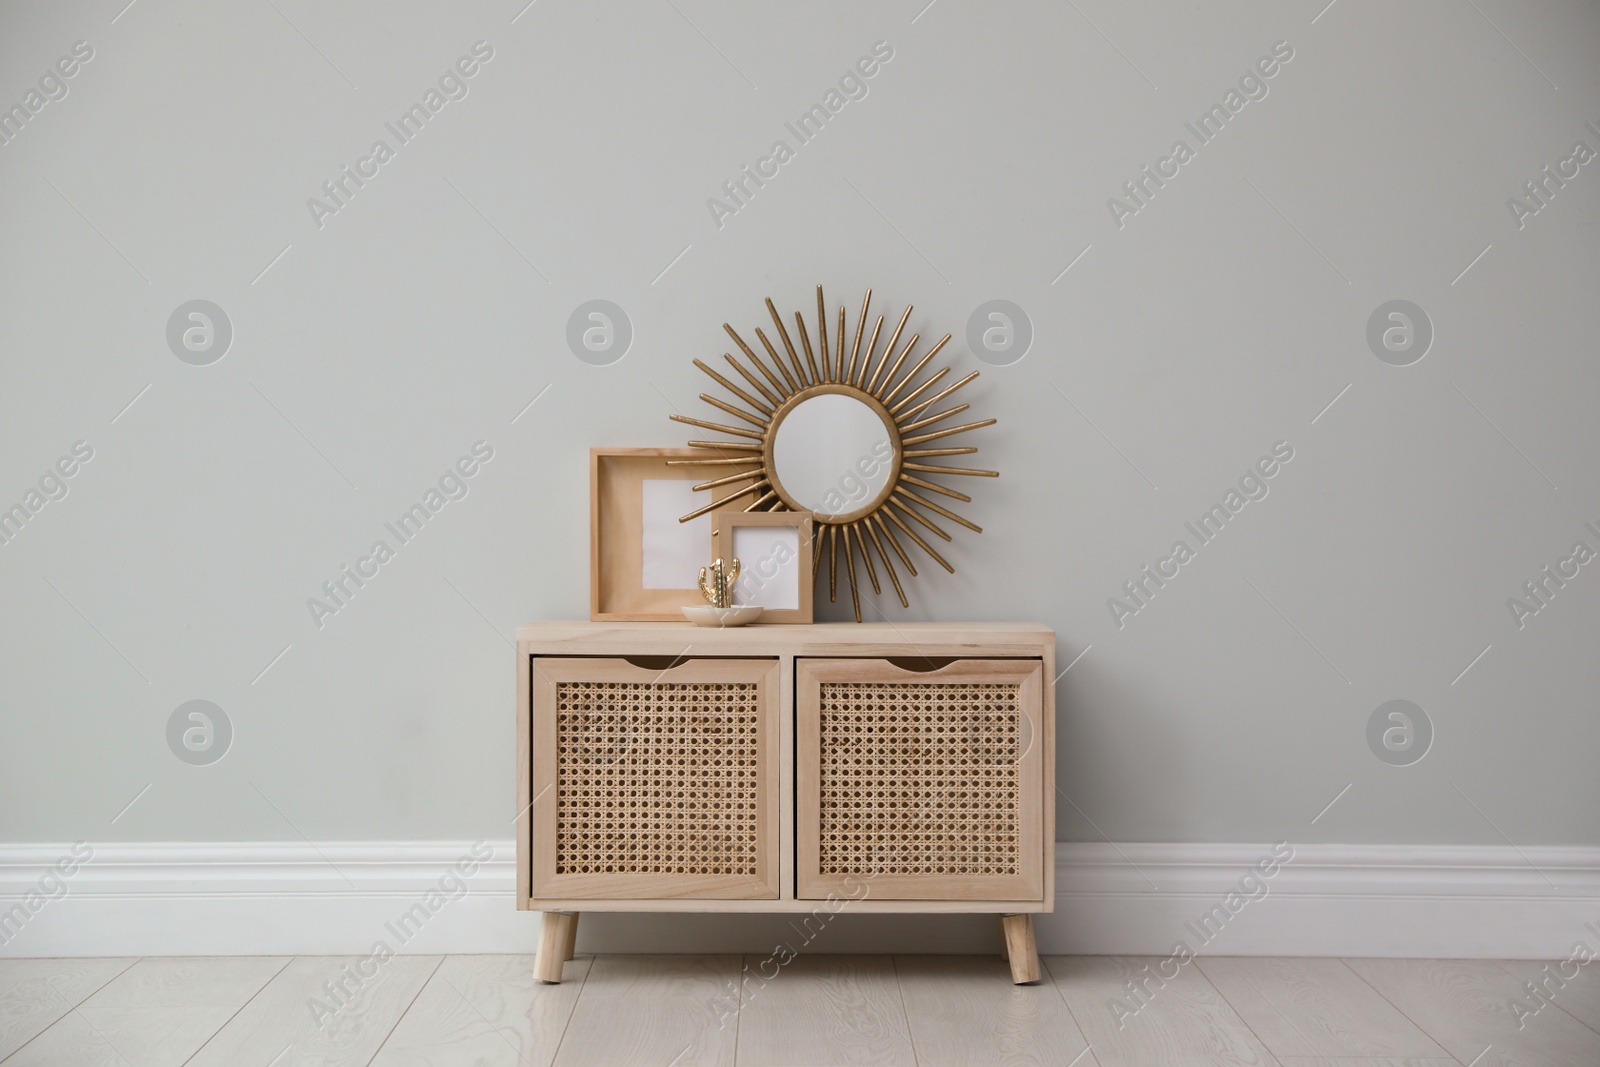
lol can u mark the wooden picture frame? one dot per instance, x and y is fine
(635, 538)
(759, 569)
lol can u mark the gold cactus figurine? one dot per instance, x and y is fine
(719, 591)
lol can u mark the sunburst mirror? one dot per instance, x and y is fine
(840, 435)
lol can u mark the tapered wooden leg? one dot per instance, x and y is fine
(1003, 953)
(555, 934)
(1020, 949)
(571, 951)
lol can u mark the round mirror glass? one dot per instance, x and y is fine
(833, 454)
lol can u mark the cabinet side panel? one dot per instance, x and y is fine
(524, 713)
(1048, 791)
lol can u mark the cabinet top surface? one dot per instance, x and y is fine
(779, 635)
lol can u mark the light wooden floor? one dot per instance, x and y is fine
(687, 1011)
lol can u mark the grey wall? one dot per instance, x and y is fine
(1222, 317)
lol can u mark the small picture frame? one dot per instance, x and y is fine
(643, 563)
(774, 551)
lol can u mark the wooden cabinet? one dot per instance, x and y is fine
(872, 768)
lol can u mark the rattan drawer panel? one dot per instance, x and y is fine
(922, 785)
(655, 783)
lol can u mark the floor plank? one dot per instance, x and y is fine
(1579, 996)
(1315, 1007)
(36, 993)
(154, 1014)
(823, 1010)
(188, 982)
(1465, 1006)
(488, 1011)
(964, 1012)
(678, 1010)
(281, 1027)
(1367, 1061)
(159, 1037)
(1180, 1022)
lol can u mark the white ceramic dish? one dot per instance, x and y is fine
(706, 615)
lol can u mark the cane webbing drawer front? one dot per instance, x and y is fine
(923, 785)
(655, 782)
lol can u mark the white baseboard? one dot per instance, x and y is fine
(263, 898)
(1462, 902)
(342, 897)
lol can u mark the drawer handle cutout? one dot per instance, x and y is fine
(656, 663)
(922, 664)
